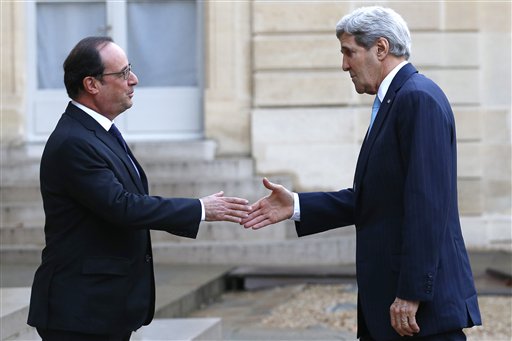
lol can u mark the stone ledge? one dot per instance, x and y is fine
(14, 311)
(159, 329)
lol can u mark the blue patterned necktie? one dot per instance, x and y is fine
(119, 137)
(375, 109)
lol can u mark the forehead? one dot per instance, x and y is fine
(348, 41)
(113, 56)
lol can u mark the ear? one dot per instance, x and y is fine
(382, 48)
(91, 85)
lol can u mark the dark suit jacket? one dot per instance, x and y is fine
(404, 206)
(96, 274)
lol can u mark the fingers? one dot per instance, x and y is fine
(236, 210)
(263, 223)
(255, 212)
(254, 220)
(238, 202)
(413, 324)
(403, 317)
(218, 194)
(220, 208)
(275, 207)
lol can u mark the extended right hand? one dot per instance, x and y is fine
(273, 208)
(220, 208)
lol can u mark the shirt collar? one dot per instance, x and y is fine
(384, 86)
(102, 120)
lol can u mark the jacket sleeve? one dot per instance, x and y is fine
(88, 176)
(322, 211)
(427, 143)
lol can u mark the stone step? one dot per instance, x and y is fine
(22, 235)
(174, 150)
(22, 206)
(318, 249)
(181, 329)
(14, 194)
(156, 170)
(225, 231)
(21, 154)
(14, 312)
(328, 248)
(211, 170)
(20, 173)
(20, 214)
(180, 289)
(207, 231)
(143, 150)
(250, 188)
(184, 329)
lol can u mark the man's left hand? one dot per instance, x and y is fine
(403, 316)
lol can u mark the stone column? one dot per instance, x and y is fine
(12, 73)
(227, 75)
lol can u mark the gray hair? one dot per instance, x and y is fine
(367, 24)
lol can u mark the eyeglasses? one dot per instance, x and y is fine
(125, 72)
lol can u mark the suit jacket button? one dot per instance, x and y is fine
(148, 258)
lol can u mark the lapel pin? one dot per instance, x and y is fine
(389, 101)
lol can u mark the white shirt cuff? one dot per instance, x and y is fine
(203, 213)
(296, 208)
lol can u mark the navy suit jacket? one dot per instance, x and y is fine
(96, 274)
(404, 207)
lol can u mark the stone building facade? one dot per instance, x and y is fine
(273, 90)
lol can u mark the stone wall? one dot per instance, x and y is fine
(307, 119)
(12, 74)
(274, 90)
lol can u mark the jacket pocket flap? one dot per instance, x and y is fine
(106, 266)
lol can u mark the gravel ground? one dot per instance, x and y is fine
(329, 307)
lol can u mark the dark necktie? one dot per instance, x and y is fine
(119, 137)
(117, 134)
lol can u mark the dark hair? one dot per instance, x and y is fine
(84, 60)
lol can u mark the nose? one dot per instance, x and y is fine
(344, 64)
(132, 79)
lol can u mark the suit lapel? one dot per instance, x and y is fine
(89, 123)
(401, 77)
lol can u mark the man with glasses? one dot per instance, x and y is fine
(96, 278)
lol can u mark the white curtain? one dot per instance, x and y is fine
(162, 42)
(59, 27)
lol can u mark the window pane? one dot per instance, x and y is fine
(162, 42)
(59, 27)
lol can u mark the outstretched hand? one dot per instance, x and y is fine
(273, 208)
(220, 208)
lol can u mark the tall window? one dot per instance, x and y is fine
(163, 43)
(173, 37)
